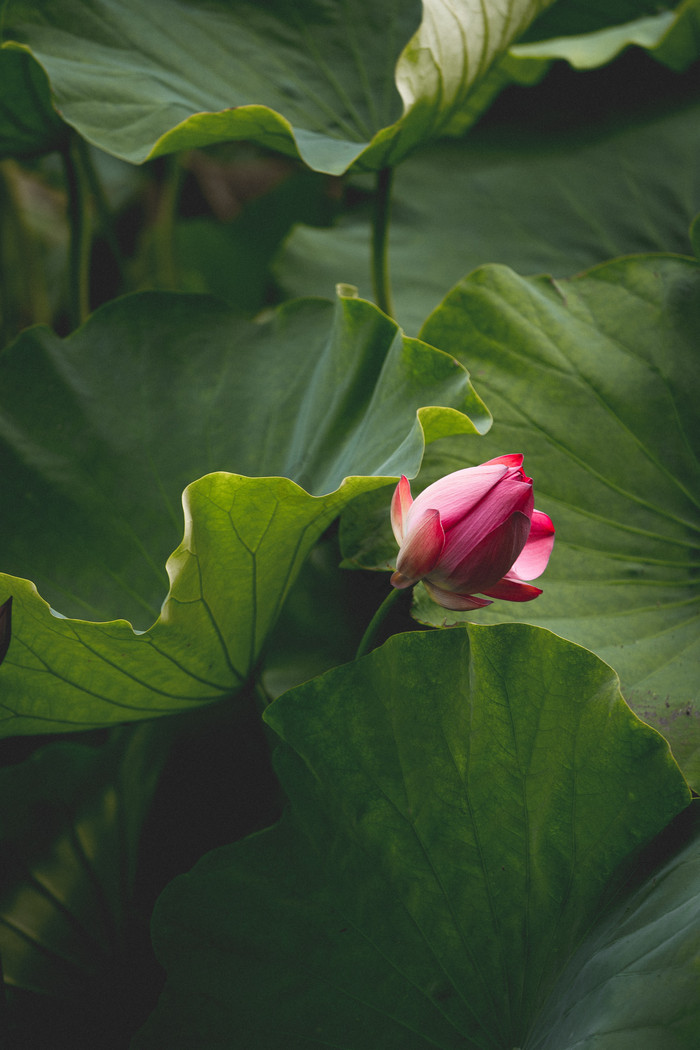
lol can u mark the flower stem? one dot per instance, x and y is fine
(74, 159)
(380, 241)
(376, 622)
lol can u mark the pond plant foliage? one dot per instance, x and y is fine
(304, 309)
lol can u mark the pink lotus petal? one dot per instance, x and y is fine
(510, 496)
(512, 459)
(400, 503)
(511, 591)
(457, 493)
(473, 532)
(450, 600)
(535, 554)
(489, 561)
(422, 546)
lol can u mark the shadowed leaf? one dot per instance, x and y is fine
(70, 822)
(29, 124)
(5, 627)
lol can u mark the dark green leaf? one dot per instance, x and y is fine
(634, 980)
(329, 82)
(695, 236)
(29, 124)
(102, 431)
(230, 256)
(569, 18)
(460, 802)
(70, 821)
(5, 627)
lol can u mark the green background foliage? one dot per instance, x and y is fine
(540, 188)
(482, 844)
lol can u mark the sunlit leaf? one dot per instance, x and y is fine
(331, 83)
(102, 431)
(588, 36)
(459, 803)
(595, 380)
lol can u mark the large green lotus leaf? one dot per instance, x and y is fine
(245, 542)
(28, 122)
(525, 192)
(634, 981)
(329, 82)
(460, 802)
(101, 432)
(595, 380)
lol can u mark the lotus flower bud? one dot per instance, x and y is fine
(472, 532)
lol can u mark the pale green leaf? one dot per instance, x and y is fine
(245, 541)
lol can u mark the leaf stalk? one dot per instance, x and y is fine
(76, 164)
(375, 623)
(381, 283)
